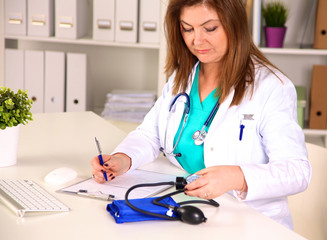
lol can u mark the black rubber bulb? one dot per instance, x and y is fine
(191, 215)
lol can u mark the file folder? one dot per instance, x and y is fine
(318, 99)
(126, 21)
(14, 69)
(320, 37)
(15, 17)
(34, 79)
(104, 20)
(76, 82)
(54, 84)
(40, 15)
(149, 24)
(318, 117)
(72, 18)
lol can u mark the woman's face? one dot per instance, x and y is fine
(203, 33)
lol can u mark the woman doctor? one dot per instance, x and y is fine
(253, 146)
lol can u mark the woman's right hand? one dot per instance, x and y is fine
(113, 165)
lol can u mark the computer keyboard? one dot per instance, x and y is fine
(26, 196)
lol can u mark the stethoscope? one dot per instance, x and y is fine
(199, 135)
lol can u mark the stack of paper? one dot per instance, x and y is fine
(128, 105)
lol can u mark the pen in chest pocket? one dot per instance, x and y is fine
(242, 125)
(241, 131)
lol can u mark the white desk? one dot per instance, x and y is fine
(67, 139)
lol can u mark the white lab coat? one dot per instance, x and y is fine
(272, 152)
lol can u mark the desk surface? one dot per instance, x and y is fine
(67, 139)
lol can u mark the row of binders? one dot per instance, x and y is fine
(109, 20)
(131, 106)
(55, 81)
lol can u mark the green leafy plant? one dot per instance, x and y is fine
(14, 108)
(275, 14)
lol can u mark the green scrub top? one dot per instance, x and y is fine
(192, 158)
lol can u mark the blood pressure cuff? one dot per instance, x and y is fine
(121, 212)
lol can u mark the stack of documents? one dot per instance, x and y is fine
(128, 105)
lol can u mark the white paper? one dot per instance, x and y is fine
(122, 183)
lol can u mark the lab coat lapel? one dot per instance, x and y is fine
(221, 113)
(177, 113)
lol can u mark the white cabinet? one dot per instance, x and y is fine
(111, 64)
(295, 62)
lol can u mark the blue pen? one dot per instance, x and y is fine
(241, 131)
(100, 157)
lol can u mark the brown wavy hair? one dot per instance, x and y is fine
(238, 63)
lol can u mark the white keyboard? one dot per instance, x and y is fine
(25, 196)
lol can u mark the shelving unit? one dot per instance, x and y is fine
(111, 65)
(140, 66)
(294, 61)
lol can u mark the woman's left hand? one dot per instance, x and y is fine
(215, 181)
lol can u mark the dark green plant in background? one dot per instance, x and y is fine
(14, 108)
(275, 14)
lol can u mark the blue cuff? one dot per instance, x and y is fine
(121, 212)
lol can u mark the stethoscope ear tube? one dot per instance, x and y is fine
(142, 210)
(188, 102)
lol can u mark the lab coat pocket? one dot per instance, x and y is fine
(245, 140)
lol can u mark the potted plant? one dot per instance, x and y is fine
(275, 15)
(14, 110)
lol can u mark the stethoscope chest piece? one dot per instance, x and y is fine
(199, 136)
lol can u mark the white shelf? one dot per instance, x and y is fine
(82, 41)
(295, 51)
(315, 132)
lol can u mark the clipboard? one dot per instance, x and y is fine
(116, 188)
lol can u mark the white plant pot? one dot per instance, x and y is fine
(9, 140)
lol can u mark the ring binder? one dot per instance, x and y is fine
(40, 18)
(54, 83)
(104, 20)
(318, 100)
(15, 17)
(320, 38)
(126, 21)
(72, 18)
(34, 78)
(149, 21)
(76, 75)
